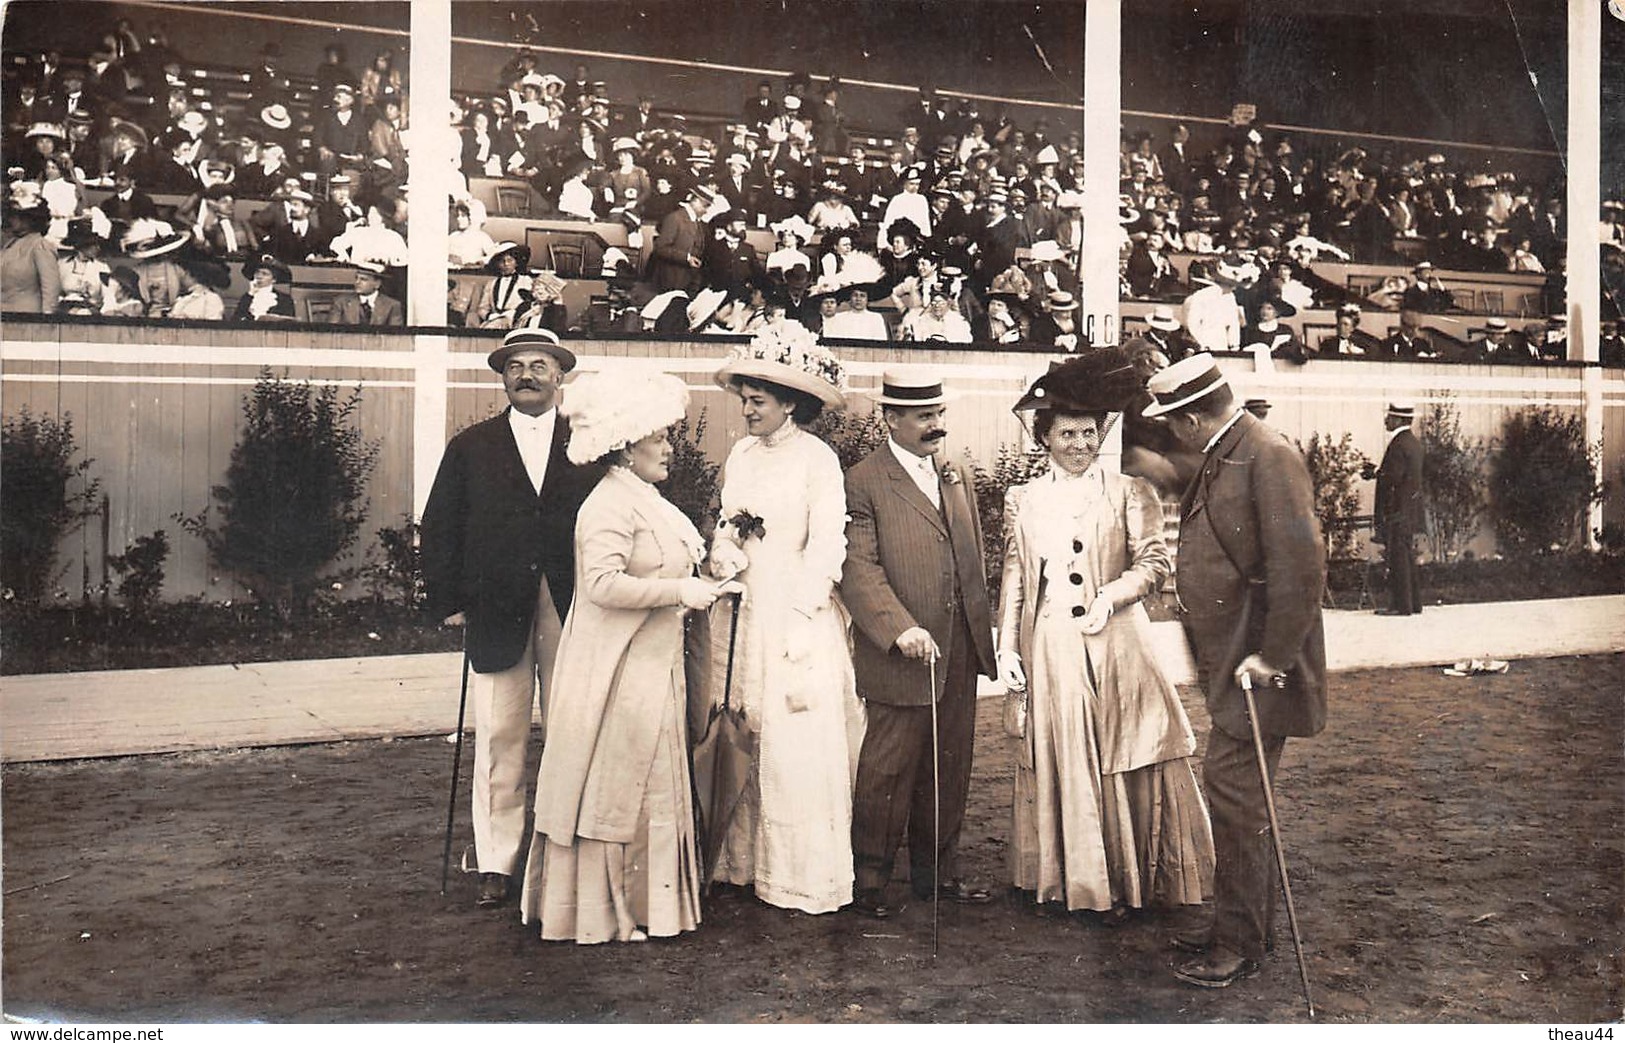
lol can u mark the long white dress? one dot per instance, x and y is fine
(791, 834)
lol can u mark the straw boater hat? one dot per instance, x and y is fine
(911, 387)
(533, 338)
(1186, 381)
(609, 411)
(276, 116)
(778, 359)
(1162, 318)
(1402, 407)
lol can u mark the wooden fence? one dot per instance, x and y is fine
(157, 408)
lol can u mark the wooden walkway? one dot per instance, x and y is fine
(47, 717)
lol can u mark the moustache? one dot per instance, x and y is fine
(933, 436)
(528, 385)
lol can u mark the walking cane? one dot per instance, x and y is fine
(936, 807)
(456, 768)
(1275, 838)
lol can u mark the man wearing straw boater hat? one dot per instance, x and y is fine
(1250, 571)
(498, 558)
(922, 630)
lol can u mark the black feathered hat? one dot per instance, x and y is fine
(1102, 381)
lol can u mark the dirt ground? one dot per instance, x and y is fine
(1457, 849)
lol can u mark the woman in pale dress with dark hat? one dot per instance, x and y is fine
(1108, 816)
(614, 855)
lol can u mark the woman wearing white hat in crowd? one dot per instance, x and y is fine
(614, 855)
(783, 534)
(1107, 813)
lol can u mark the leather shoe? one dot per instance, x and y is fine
(493, 890)
(1192, 941)
(1199, 941)
(873, 905)
(959, 891)
(1219, 969)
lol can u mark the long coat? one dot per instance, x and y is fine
(488, 537)
(1248, 521)
(1118, 552)
(619, 657)
(904, 561)
(678, 237)
(347, 311)
(1399, 485)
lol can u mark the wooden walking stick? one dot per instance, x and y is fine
(1275, 838)
(936, 807)
(456, 768)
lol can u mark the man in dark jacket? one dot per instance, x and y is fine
(1251, 570)
(680, 244)
(1397, 516)
(499, 559)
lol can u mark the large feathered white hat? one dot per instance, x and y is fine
(609, 410)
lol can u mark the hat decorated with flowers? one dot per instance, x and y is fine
(787, 354)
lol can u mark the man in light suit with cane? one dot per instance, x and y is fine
(922, 630)
(498, 558)
(1250, 573)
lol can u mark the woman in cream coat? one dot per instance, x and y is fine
(1107, 813)
(614, 856)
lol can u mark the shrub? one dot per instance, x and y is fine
(691, 483)
(852, 437)
(141, 568)
(1452, 480)
(40, 506)
(1334, 467)
(398, 579)
(1542, 481)
(1013, 465)
(294, 495)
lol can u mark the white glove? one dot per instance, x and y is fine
(1010, 672)
(1094, 620)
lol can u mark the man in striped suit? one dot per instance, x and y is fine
(915, 585)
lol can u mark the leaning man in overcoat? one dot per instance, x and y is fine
(497, 541)
(1250, 572)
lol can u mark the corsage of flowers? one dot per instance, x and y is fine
(728, 559)
(950, 476)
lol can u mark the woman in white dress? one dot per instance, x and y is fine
(782, 532)
(614, 855)
(1107, 815)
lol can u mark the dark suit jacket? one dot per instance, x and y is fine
(1397, 347)
(677, 237)
(1251, 571)
(1399, 486)
(904, 563)
(1361, 339)
(488, 538)
(385, 312)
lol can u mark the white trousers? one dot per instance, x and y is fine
(502, 713)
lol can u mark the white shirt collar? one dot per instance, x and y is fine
(525, 422)
(1228, 424)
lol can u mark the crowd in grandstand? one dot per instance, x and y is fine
(951, 224)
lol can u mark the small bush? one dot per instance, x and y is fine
(398, 579)
(47, 497)
(294, 496)
(1013, 465)
(1334, 467)
(691, 483)
(852, 437)
(1542, 481)
(141, 569)
(1452, 480)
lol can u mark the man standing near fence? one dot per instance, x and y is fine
(1398, 515)
(498, 547)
